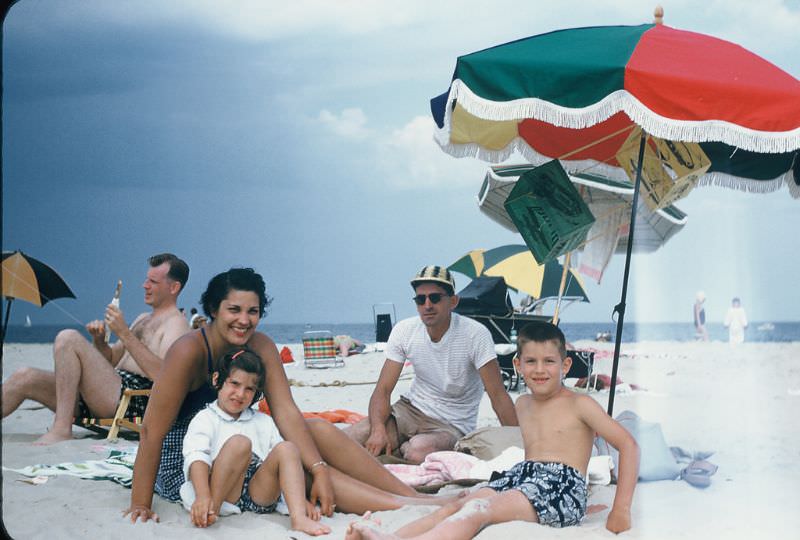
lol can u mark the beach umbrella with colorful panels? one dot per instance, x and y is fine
(575, 95)
(593, 97)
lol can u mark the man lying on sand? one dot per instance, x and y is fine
(89, 377)
(453, 359)
(558, 428)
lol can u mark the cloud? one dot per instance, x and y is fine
(256, 20)
(352, 122)
(412, 159)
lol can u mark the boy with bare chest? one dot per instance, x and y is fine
(549, 487)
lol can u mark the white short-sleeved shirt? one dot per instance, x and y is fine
(446, 385)
(212, 427)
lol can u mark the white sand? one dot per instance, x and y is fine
(742, 403)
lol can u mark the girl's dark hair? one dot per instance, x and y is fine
(247, 360)
(238, 279)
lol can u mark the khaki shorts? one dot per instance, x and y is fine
(411, 421)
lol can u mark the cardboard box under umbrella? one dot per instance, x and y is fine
(549, 212)
(670, 170)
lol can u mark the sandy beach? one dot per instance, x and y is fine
(741, 403)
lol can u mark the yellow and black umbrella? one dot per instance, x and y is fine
(516, 264)
(26, 278)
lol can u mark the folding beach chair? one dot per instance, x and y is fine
(319, 350)
(110, 426)
(505, 357)
(582, 367)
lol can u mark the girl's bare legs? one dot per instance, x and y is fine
(283, 471)
(227, 472)
(343, 453)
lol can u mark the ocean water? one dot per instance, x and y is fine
(365, 332)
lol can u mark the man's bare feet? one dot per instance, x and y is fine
(309, 526)
(52, 437)
(367, 529)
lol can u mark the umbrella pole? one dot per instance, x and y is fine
(9, 299)
(561, 287)
(619, 309)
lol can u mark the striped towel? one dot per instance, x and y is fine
(117, 467)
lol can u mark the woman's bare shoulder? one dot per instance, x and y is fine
(261, 341)
(187, 348)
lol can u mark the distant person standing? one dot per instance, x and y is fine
(700, 332)
(736, 322)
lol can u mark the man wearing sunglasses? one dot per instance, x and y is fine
(454, 361)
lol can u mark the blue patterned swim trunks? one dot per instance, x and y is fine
(246, 503)
(556, 491)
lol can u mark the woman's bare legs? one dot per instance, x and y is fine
(343, 453)
(356, 497)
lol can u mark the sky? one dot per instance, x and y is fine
(296, 138)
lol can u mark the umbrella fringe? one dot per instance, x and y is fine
(519, 145)
(621, 100)
(442, 137)
(615, 173)
(750, 185)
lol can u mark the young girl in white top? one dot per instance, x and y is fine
(235, 458)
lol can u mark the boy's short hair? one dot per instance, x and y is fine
(248, 361)
(539, 332)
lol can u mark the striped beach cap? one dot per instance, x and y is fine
(438, 274)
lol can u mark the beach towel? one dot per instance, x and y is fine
(438, 467)
(449, 466)
(602, 242)
(117, 467)
(334, 416)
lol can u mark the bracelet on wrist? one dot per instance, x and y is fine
(319, 463)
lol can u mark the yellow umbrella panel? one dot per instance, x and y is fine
(522, 273)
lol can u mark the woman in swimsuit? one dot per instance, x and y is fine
(235, 301)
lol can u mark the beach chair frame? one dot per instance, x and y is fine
(582, 366)
(111, 426)
(319, 350)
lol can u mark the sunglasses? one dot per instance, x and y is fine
(435, 298)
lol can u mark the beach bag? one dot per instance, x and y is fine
(286, 356)
(656, 461)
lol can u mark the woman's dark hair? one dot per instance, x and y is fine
(248, 361)
(237, 279)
